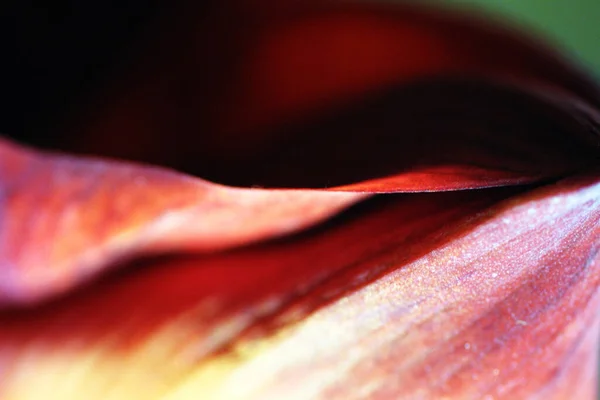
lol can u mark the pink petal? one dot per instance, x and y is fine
(65, 218)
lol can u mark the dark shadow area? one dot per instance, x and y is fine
(55, 54)
(434, 122)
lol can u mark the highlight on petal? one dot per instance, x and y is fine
(64, 219)
(504, 307)
(433, 295)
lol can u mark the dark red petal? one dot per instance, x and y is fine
(442, 133)
(427, 295)
(268, 96)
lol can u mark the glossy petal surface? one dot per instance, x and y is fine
(64, 218)
(436, 291)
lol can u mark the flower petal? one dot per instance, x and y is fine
(68, 218)
(427, 295)
(64, 219)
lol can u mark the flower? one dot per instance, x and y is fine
(426, 226)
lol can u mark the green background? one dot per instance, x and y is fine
(574, 25)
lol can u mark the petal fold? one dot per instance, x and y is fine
(443, 292)
(64, 219)
(250, 293)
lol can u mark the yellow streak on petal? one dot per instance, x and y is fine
(78, 370)
(272, 367)
(92, 373)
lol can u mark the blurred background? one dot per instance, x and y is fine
(55, 52)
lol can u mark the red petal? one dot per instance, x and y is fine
(433, 295)
(67, 219)
(64, 218)
(427, 291)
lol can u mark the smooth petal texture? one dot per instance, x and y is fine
(64, 219)
(434, 295)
